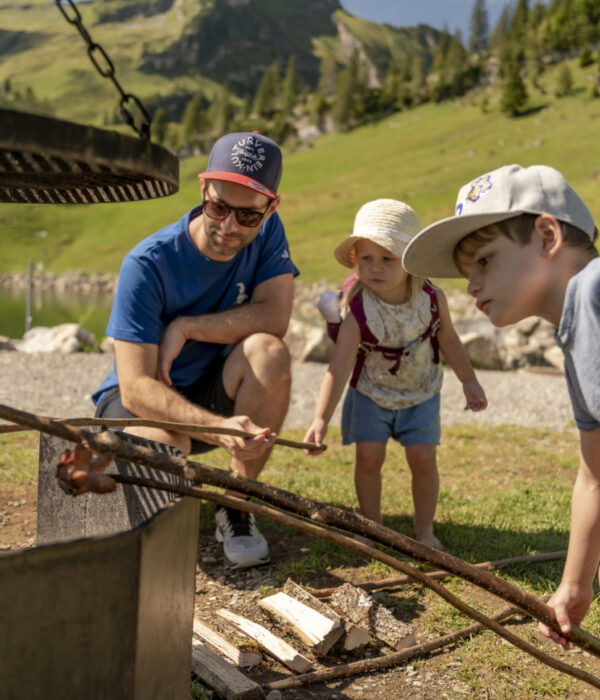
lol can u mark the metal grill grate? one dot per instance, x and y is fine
(49, 161)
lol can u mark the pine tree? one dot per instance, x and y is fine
(514, 94)
(267, 91)
(328, 75)
(349, 91)
(564, 82)
(194, 121)
(220, 112)
(479, 37)
(290, 88)
(159, 125)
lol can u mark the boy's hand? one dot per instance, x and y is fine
(475, 395)
(570, 603)
(316, 434)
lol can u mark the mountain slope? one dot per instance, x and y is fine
(166, 51)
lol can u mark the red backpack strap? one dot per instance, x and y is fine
(431, 332)
(334, 328)
(367, 340)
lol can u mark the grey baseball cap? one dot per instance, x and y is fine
(496, 196)
(249, 159)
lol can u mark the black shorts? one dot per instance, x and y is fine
(208, 391)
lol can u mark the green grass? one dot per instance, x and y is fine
(505, 492)
(422, 156)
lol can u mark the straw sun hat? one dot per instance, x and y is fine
(387, 222)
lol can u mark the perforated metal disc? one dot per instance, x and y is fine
(50, 161)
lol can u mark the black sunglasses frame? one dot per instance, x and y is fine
(237, 211)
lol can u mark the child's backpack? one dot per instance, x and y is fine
(368, 342)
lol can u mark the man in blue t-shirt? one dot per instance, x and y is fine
(199, 314)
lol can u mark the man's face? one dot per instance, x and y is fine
(508, 279)
(222, 239)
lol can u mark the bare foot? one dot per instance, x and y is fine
(430, 540)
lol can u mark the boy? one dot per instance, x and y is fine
(525, 241)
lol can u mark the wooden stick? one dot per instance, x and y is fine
(319, 512)
(166, 425)
(402, 580)
(319, 531)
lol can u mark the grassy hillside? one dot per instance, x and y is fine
(422, 156)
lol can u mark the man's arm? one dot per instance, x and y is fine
(144, 396)
(268, 311)
(574, 595)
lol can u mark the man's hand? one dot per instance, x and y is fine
(243, 448)
(570, 603)
(170, 345)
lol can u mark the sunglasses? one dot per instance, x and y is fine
(219, 211)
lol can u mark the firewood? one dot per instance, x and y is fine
(273, 645)
(219, 674)
(314, 629)
(353, 637)
(366, 612)
(240, 653)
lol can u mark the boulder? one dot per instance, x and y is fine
(65, 338)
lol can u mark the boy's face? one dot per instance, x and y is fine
(508, 279)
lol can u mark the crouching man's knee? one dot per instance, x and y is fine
(269, 358)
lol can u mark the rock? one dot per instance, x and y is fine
(107, 345)
(7, 343)
(65, 338)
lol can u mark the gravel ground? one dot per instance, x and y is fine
(61, 385)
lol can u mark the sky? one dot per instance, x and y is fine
(407, 13)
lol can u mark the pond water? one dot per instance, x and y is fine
(50, 308)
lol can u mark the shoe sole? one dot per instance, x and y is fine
(240, 565)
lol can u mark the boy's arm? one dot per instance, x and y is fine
(456, 356)
(574, 595)
(268, 311)
(335, 379)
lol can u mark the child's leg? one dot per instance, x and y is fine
(425, 486)
(367, 477)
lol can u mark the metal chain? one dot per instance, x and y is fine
(105, 68)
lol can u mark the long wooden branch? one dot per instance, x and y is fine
(351, 543)
(394, 581)
(166, 425)
(110, 442)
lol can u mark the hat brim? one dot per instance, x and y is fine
(343, 252)
(238, 179)
(431, 252)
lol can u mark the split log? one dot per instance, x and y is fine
(219, 674)
(353, 543)
(367, 613)
(353, 637)
(273, 645)
(318, 632)
(242, 654)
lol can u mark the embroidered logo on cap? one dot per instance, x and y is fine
(248, 155)
(479, 187)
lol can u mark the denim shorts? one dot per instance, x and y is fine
(364, 421)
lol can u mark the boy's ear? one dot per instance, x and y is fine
(550, 234)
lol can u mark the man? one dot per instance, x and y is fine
(199, 314)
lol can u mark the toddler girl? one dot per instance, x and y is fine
(393, 325)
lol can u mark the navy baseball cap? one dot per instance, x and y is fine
(248, 159)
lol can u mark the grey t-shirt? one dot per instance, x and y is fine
(578, 336)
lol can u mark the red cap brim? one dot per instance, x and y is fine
(238, 179)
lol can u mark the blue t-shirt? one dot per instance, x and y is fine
(578, 336)
(166, 276)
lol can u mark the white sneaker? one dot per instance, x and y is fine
(243, 545)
